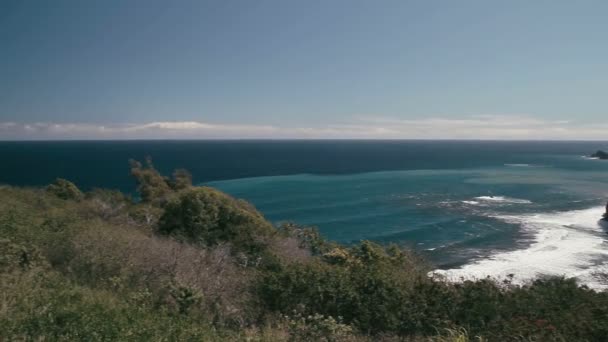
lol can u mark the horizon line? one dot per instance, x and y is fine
(298, 139)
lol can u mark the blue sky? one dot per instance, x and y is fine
(117, 69)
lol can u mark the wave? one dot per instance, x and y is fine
(497, 199)
(572, 244)
(522, 165)
(518, 165)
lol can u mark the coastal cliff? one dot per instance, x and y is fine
(192, 263)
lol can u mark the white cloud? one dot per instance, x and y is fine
(510, 127)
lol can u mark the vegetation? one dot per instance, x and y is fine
(152, 186)
(192, 263)
(64, 189)
(209, 217)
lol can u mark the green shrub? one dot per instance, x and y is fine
(145, 214)
(151, 185)
(317, 328)
(185, 297)
(47, 307)
(108, 196)
(367, 285)
(15, 257)
(109, 205)
(64, 189)
(308, 237)
(210, 217)
(182, 179)
(154, 187)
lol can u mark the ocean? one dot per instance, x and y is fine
(473, 208)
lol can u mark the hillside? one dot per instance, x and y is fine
(192, 263)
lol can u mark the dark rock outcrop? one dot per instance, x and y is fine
(600, 155)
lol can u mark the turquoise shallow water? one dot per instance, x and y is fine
(538, 214)
(450, 215)
(473, 208)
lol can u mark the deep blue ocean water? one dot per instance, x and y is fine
(473, 208)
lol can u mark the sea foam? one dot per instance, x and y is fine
(518, 165)
(572, 244)
(500, 199)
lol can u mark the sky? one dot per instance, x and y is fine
(428, 69)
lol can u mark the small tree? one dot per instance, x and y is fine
(64, 189)
(154, 187)
(151, 185)
(182, 179)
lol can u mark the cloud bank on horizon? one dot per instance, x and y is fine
(490, 127)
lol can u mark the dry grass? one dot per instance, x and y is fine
(289, 249)
(127, 257)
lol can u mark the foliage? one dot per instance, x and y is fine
(308, 237)
(154, 187)
(15, 257)
(145, 214)
(317, 328)
(64, 189)
(207, 216)
(455, 335)
(45, 306)
(110, 205)
(366, 285)
(185, 297)
(379, 290)
(151, 185)
(182, 179)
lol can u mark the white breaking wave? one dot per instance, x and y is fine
(572, 244)
(518, 165)
(499, 199)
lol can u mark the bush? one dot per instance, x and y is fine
(39, 307)
(207, 216)
(317, 328)
(15, 257)
(109, 205)
(182, 179)
(367, 285)
(64, 189)
(308, 237)
(154, 187)
(145, 215)
(185, 297)
(151, 185)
